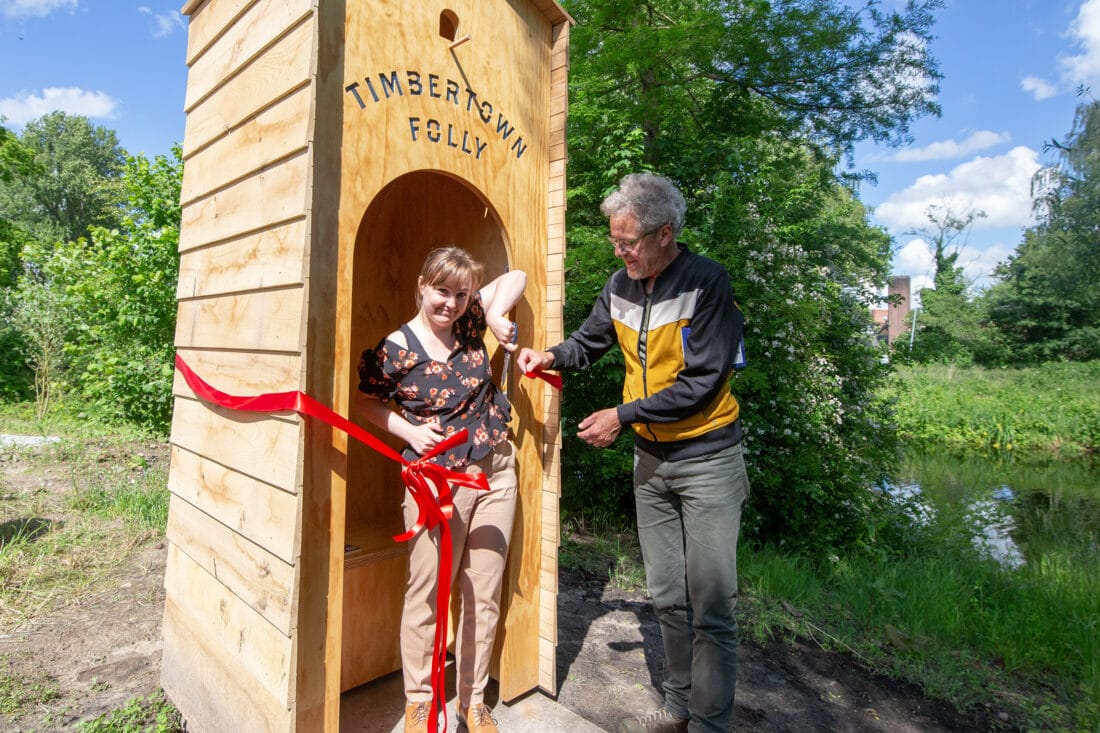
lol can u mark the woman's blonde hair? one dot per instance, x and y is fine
(450, 264)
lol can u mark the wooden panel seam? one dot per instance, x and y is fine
(260, 53)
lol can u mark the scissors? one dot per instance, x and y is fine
(508, 360)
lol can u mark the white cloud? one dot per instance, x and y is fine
(164, 24)
(1040, 88)
(946, 149)
(915, 259)
(26, 106)
(978, 264)
(1084, 67)
(1000, 186)
(34, 8)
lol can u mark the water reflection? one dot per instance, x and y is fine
(1018, 510)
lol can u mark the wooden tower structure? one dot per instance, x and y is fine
(329, 145)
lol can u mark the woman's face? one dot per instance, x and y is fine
(444, 302)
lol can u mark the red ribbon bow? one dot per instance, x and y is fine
(420, 476)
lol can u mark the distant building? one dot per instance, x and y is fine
(893, 321)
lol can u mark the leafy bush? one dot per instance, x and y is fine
(117, 294)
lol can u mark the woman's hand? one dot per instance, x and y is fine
(422, 438)
(498, 298)
(503, 329)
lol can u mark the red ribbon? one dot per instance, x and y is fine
(554, 380)
(420, 476)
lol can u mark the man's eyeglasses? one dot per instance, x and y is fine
(629, 245)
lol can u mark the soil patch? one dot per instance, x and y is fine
(101, 650)
(611, 662)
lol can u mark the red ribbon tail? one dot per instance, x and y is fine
(554, 380)
(435, 509)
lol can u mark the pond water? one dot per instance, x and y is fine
(1020, 509)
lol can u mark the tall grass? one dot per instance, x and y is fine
(1025, 641)
(1049, 408)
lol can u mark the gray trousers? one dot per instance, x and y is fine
(689, 516)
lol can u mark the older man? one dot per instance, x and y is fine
(673, 314)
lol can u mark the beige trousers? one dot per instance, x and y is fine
(481, 527)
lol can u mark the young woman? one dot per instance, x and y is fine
(435, 371)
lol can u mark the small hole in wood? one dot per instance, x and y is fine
(448, 24)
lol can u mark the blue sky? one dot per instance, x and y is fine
(1010, 69)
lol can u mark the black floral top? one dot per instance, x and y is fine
(458, 393)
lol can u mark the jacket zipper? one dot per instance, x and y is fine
(643, 353)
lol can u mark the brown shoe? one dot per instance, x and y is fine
(478, 719)
(416, 717)
(659, 721)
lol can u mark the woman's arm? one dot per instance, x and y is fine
(421, 438)
(497, 298)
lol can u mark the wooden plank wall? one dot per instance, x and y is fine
(555, 299)
(234, 527)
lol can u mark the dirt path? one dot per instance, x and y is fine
(104, 649)
(610, 661)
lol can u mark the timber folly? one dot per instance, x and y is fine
(328, 147)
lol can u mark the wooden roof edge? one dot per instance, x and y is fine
(552, 8)
(554, 11)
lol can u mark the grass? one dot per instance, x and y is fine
(604, 551)
(19, 693)
(1053, 408)
(109, 508)
(1024, 643)
(63, 539)
(151, 714)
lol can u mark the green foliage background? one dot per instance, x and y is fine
(753, 108)
(89, 237)
(718, 102)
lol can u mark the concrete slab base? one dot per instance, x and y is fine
(379, 707)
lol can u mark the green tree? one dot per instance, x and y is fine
(120, 290)
(1047, 303)
(75, 184)
(685, 73)
(951, 323)
(41, 318)
(16, 162)
(750, 106)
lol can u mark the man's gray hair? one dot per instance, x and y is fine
(653, 200)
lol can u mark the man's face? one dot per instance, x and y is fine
(644, 253)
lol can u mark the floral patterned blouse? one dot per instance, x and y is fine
(458, 393)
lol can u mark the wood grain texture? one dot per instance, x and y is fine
(256, 576)
(275, 133)
(232, 628)
(209, 684)
(265, 447)
(286, 66)
(247, 38)
(264, 514)
(271, 195)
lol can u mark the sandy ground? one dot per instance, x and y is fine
(104, 649)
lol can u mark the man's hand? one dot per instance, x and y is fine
(530, 360)
(600, 428)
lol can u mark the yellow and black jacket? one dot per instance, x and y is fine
(679, 344)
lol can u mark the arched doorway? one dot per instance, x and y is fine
(412, 215)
